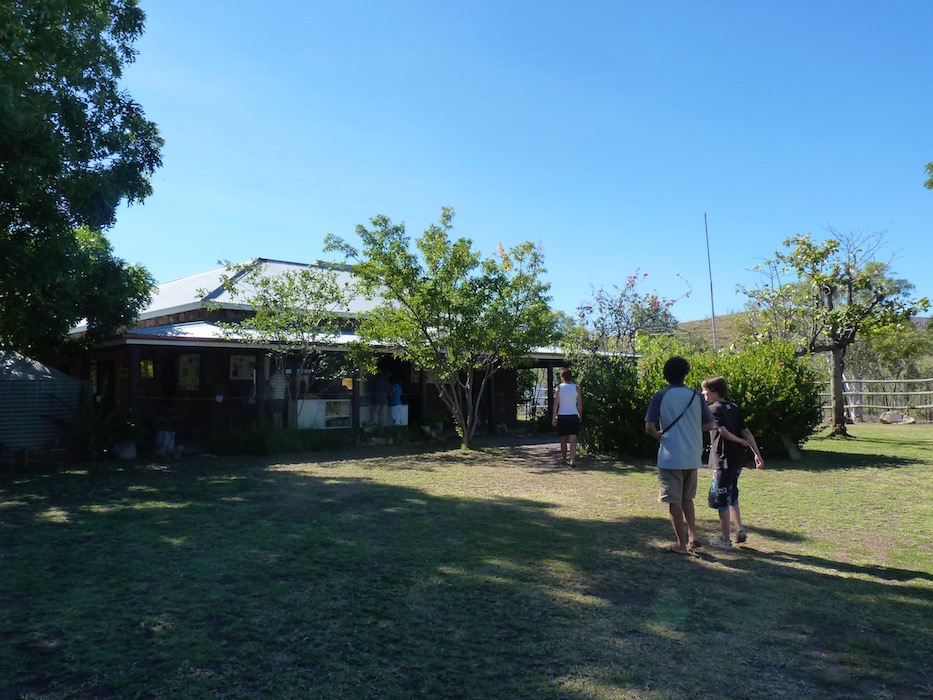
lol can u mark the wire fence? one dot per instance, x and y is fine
(869, 399)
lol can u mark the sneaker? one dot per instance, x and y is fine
(719, 543)
(741, 536)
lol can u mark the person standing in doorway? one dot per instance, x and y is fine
(727, 459)
(676, 417)
(379, 399)
(395, 401)
(567, 415)
(278, 388)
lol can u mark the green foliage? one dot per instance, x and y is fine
(612, 321)
(106, 291)
(929, 171)
(447, 310)
(616, 391)
(266, 440)
(294, 313)
(99, 428)
(542, 423)
(902, 352)
(656, 349)
(525, 380)
(563, 324)
(73, 145)
(778, 392)
(69, 278)
(615, 396)
(602, 348)
(836, 291)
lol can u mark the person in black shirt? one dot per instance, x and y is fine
(727, 458)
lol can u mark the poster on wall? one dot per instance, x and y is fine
(241, 367)
(189, 372)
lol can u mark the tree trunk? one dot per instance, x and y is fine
(838, 402)
(454, 396)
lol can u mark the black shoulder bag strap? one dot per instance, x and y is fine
(665, 428)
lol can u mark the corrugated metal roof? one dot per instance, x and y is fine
(32, 414)
(32, 397)
(196, 290)
(17, 367)
(200, 330)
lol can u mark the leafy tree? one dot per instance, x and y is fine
(70, 279)
(837, 290)
(929, 183)
(602, 348)
(459, 317)
(612, 321)
(73, 145)
(106, 291)
(294, 314)
(898, 353)
(564, 324)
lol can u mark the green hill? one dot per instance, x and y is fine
(728, 326)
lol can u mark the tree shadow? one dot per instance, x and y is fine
(833, 567)
(253, 579)
(831, 461)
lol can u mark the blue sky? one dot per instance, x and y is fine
(602, 130)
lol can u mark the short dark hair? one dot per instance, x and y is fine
(717, 384)
(566, 374)
(676, 369)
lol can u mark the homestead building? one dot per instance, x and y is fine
(180, 371)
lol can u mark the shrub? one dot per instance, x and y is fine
(614, 403)
(777, 392)
(616, 392)
(268, 441)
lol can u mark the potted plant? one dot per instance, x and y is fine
(435, 420)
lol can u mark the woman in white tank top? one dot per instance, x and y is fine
(567, 414)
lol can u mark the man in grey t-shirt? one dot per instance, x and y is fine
(676, 418)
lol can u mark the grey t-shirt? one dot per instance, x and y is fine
(682, 446)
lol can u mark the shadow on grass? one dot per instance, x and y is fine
(231, 579)
(832, 461)
(837, 568)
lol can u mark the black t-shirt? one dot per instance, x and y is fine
(730, 454)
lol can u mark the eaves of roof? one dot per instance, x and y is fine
(204, 334)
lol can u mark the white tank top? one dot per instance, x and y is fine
(567, 400)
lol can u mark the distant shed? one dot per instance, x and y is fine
(32, 396)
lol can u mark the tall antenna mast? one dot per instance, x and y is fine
(709, 264)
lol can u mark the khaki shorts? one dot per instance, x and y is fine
(676, 485)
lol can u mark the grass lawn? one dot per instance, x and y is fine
(490, 574)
